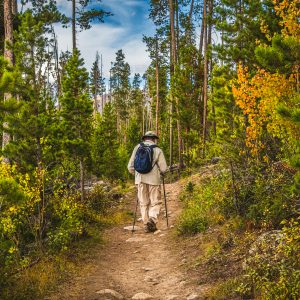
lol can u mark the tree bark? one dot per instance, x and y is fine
(14, 7)
(101, 74)
(191, 10)
(205, 75)
(8, 31)
(74, 24)
(201, 36)
(8, 53)
(211, 6)
(157, 90)
(173, 63)
(57, 70)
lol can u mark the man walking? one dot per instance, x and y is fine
(147, 178)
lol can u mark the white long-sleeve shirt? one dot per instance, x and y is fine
(160, 166)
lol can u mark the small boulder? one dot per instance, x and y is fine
(193, 297)
(142, 296)
(264, 249)
(157, 231)
(110, 294)
(173, 297)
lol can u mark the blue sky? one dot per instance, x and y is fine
(124, 30)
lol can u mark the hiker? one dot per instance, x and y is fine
(148, 178)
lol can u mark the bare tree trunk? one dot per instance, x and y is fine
(56, 67)
(191, 10)
(157, 91)
(74, 24)
(101, 72)
(8, 54)
(211, 6)
(201, 36)
(176, 29)
(95, 106)
(14, 7)
(205, 75)
(200, 99)
(173, 63)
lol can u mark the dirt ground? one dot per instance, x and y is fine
(139, 263)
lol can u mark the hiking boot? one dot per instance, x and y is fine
(146, 229)
(151, 225)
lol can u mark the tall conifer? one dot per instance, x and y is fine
(76, 113)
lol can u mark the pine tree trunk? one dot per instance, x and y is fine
(8, 53)
(205, 75)
(176, 28)
(95, 106)
(81, 179)
(102, 98)
(211, 6)
(200, 99)
(74, 24)
(14, 7)
(57, 71)
(157, 90)
(191, 10)
(173, 63)
(201, 36)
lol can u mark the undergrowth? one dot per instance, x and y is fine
(238, 203)
(40, 232)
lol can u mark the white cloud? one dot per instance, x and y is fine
(106, 40)
(136, 56)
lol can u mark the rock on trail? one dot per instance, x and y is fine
(110, 294)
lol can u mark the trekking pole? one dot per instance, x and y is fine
(166, 207)
(136, 207)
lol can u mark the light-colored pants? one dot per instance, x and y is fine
(150, 201)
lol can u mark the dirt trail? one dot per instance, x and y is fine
(131, 264)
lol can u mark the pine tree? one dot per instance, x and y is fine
(83, 17)
(30, 124)
(76, 113)
(105, 146)
(158, 52)
(120, 86)
(97, 83)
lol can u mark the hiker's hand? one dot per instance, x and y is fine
(171, 168)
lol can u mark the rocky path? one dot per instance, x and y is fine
(139, 265)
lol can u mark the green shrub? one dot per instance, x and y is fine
(192, 220)
(276, 275)
(68, 218)
(199, 201)
(262, 197)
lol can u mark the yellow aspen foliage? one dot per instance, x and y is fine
(258, 97)
(289, 11)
